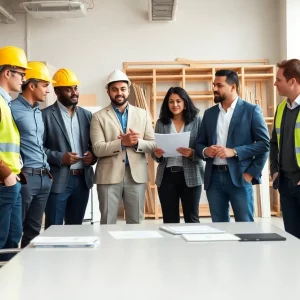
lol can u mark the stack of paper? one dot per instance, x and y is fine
(126, 235)
(203, 229)
(210, 237)
(78, 241)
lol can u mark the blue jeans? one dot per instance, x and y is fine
(222, 191)
(10, 216)
(69, 205)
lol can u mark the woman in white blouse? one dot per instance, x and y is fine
(179, 178)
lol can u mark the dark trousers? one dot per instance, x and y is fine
(34, 198)
(173, 189)
(69, 205)
(222, 191)
(10, 217)
(290, 206)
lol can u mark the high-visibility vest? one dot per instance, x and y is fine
(9, 138)
(278, 120)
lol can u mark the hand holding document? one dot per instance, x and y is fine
(169, 143)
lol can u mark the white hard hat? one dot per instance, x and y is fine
(115, 76)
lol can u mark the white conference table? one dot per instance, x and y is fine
(164, 268)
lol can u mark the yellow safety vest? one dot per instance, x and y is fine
(9, 138)
(278, 120)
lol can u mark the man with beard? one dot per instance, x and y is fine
(234, 141)
(28, 117)
(121, 134)
(68, 148)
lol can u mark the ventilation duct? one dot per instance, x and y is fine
(55, 9)
(162, 10)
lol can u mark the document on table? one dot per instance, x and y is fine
(190, 229)
(210, 237)
(170, 142)
(65, 241)
(125, 235)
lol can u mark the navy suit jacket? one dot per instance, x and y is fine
(247, 134)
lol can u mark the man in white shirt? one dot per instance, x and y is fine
(234, 141)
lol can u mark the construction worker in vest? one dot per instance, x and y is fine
(69, 151)
(13, 63)
(121, 134)
(285, 144)
(28, 117)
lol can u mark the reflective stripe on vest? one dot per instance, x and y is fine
(278, 120)
(6, 147)
(9, 139)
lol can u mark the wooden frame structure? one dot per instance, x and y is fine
(150, 79)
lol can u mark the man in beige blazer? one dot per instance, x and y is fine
(121, 134)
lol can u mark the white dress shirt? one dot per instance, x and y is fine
(294, 104)
(222, 129)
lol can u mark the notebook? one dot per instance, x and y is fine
(74, 242)
(190, 229)
(210, 237)
(249, 237)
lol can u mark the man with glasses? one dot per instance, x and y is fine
(13, 63)
(68, 148)
(28, 117)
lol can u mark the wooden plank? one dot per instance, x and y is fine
(129, 65)
(264, 98)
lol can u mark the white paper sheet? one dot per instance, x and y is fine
(210, 237)
(123, 235)
(170, 142)
(191, 229)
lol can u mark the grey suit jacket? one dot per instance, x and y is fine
(56, 143)
(192, 168)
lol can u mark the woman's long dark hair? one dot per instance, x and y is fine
(188, 114)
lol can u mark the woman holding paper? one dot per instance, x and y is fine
(179, 177)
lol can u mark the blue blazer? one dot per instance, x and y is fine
(247, 134)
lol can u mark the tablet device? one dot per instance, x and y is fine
(250, 237)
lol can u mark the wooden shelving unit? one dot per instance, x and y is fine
(257, 79)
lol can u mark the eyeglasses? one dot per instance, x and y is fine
(20, 73)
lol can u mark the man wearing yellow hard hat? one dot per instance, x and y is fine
(13, 63)
(28, 117)
(68, 147)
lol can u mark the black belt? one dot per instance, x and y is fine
(220, 168)
(33, 171)
(175, 169)
(76, 172)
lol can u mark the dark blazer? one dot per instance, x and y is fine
(56, 143)
(248, 135)
(192, 168)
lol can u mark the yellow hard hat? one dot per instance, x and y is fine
(65, 77)
(38, 71)
(13, 56)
